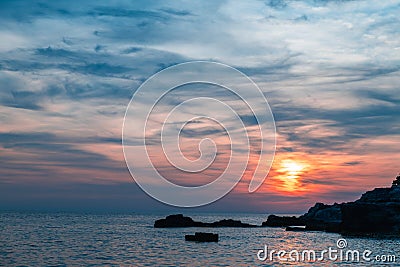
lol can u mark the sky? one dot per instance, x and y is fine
(329, 70)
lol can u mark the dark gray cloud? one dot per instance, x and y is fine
(352, 163)
(130, 13)
(177, 12)
(201, 132)
(369, 121)
(279, 4)
(49, 149)
(8, 139)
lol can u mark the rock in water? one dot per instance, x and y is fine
(202, 237)
(179, 220)
(323, 217)
(283, 221)
(320, 217)
(295, 229)
(229, 223)
(376, 212)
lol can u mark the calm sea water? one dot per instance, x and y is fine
(67, 239)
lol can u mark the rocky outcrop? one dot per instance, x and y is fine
(320, 217)
(376, 212)
(381, 195)
(323, 217)
(283, 221)
(370, 218)
(179, 220)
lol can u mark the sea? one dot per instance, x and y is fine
(129, 239)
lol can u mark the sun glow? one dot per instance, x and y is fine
(291, 169)
(289, 173)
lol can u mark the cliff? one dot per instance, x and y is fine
(376, 212)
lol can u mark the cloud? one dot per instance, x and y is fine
(352, 163)
(329, 70)
(27, 150)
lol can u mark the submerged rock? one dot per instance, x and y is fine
(202, 237)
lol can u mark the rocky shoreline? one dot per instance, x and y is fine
(376, 212)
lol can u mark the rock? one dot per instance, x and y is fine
(202, 237)
(332, 227)
(295, 229)
(396, 182)
(283, 221)
(230, 223)
(320, 217)
(323, 217)
(323, 212)
(179, 220)
(364, 218)
(377, 211)
(381, 195)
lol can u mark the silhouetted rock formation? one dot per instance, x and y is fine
(323, 217)
(377, 211)
(229, 223)
(381, 195)
(396, 182)
(282, 221)
(296, 229)
(202, 237)
(320, 217)
(179, 220)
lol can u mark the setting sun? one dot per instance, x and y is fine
(291, 168)
(288, 174)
